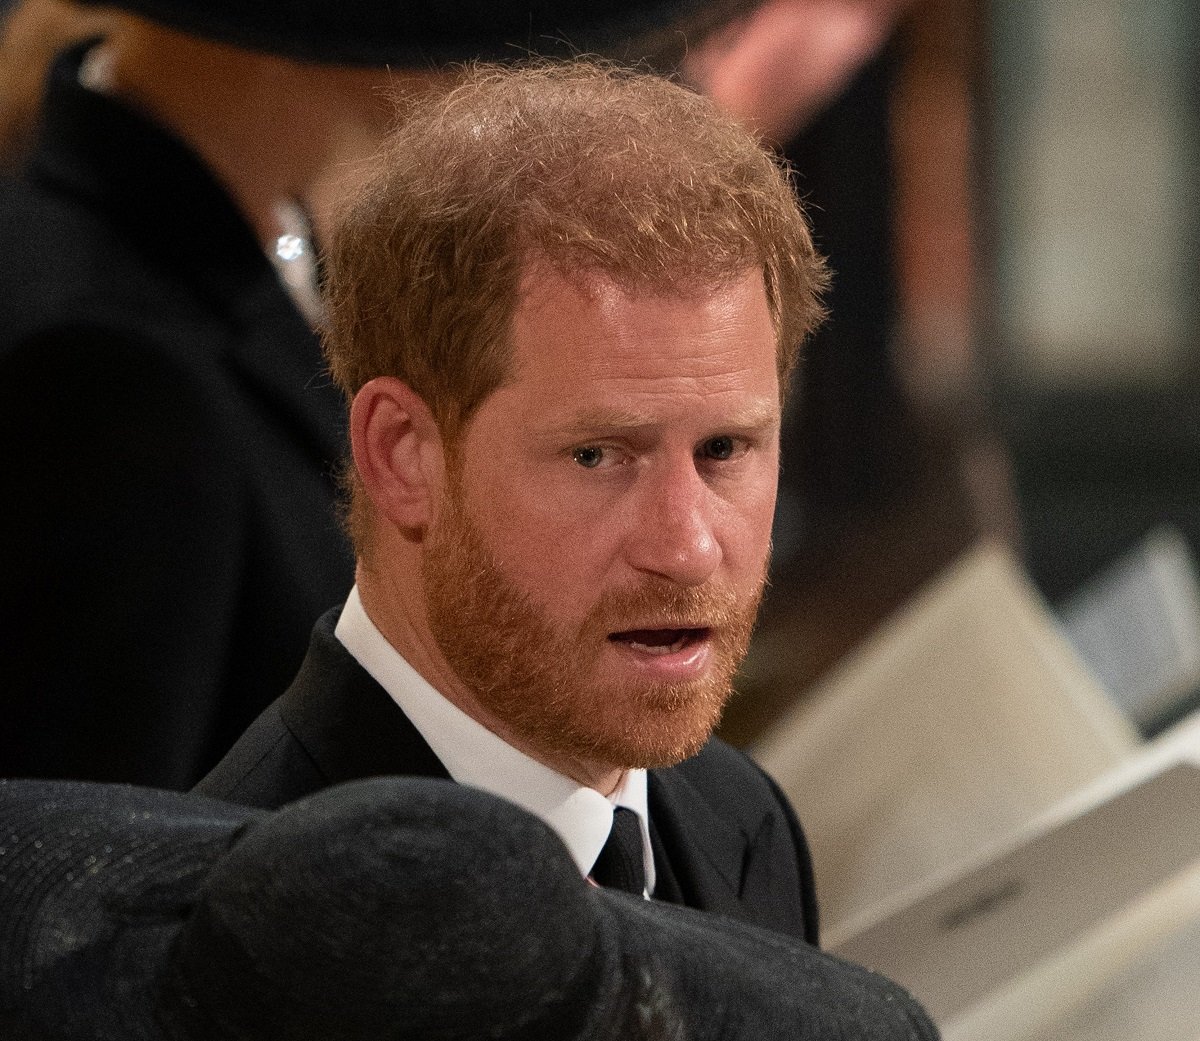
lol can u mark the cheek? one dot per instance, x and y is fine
(746, 538)
(748, 552)
(553, 546)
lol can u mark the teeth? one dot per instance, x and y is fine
(659, 648)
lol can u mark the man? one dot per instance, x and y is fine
(564, 309)
(170, 533)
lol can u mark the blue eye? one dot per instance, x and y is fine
(718, 448)
(588, 456)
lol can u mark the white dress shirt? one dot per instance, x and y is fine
(473, 755)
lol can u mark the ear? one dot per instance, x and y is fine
(398, 452)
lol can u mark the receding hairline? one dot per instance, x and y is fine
(492, 107)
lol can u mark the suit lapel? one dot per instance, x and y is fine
(699, 856)
(719, 851)
(346, 722)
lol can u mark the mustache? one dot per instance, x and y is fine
(660, 603)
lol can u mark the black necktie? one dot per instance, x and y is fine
(621, 864)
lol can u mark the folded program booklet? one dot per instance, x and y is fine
(951, 728)
(1085, 929)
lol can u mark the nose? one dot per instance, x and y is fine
(674, 531)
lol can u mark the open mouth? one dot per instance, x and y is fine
(660, 641)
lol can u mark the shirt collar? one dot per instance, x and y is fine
(475, 756)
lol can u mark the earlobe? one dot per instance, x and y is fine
(397, 451)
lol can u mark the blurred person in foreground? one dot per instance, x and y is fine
(169, 535)
(564, 309)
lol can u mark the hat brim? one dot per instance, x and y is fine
(96, 881)
(130, 914)
(420, 36)
(705, 976)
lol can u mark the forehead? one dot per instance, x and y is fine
(591, 336)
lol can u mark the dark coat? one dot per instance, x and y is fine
(724, 837)
(169, 531)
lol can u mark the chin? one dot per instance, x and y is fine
(649, 743)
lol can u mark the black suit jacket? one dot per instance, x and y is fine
(724, 837)
(169, 532)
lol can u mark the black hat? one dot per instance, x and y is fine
(415, 35)
(375, 910)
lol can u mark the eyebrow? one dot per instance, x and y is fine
(756, 417)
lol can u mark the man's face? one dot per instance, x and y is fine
(593, 576)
